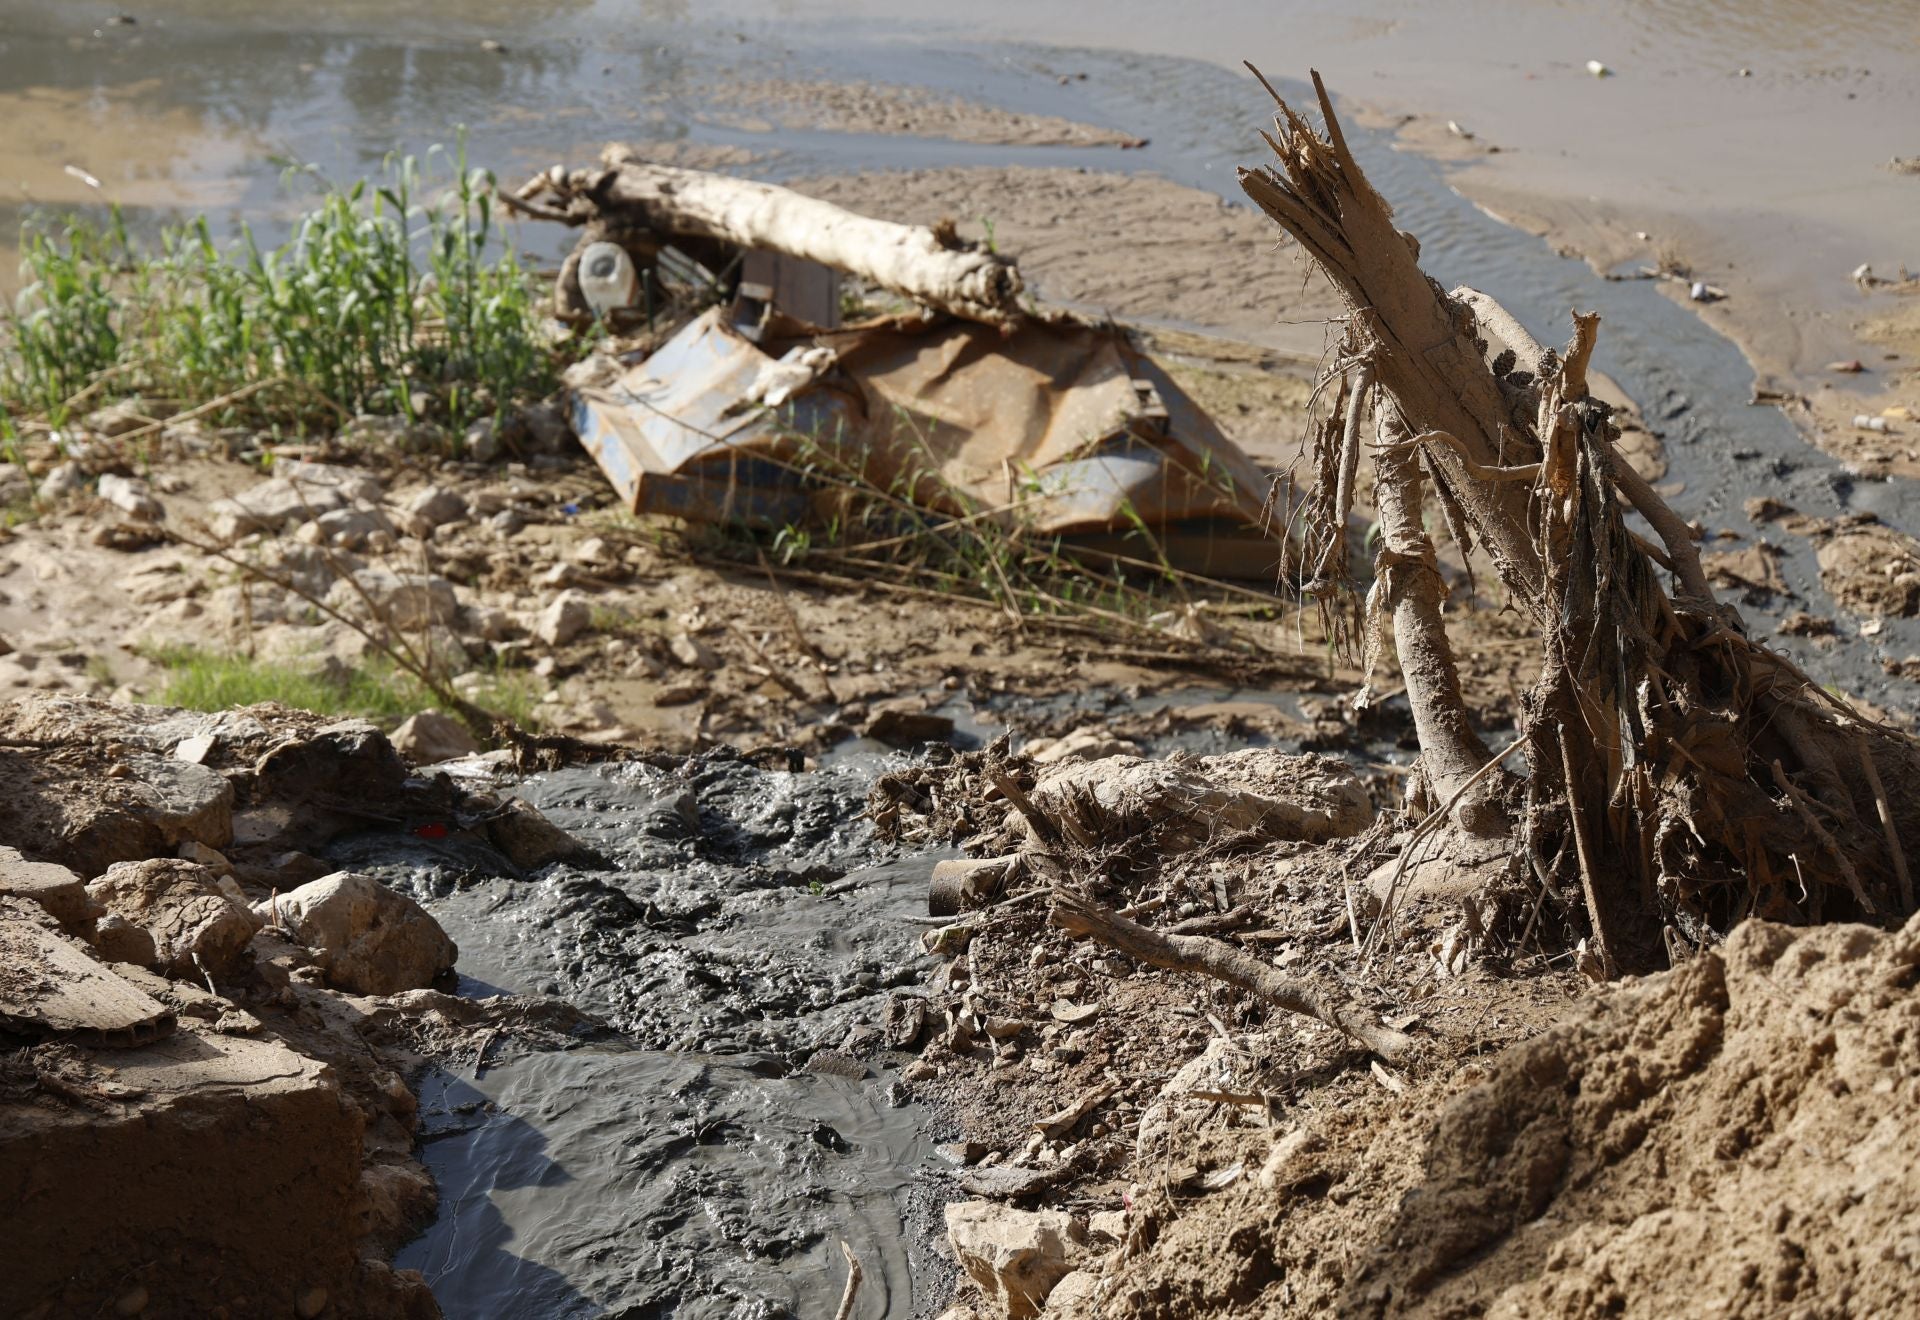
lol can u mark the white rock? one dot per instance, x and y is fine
(1016, 1256)
(368, 939)
(692, 652)
(406, 601)
(63, 480)
(437, 505)
(132, 497)
(565, 619)
(353, 528)
(431, 737)
(1088, 744)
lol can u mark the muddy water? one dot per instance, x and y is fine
(709, 1163)
(749, 920)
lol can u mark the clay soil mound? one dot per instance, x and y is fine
(1733, 1137)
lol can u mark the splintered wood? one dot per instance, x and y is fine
(1681, 776)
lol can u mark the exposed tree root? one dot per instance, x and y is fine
(1081, 916)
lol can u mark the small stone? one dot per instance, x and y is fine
(310, 1303)
(565, 619)
(62, 480)
(375, 941)
(433, 736)
(131, 1302)
(1016, 1256)
(693, 653)
(899, 726)
(132, 497)
(120, 941)
(192, 850)
(919, 1071)
(682, 693)
(196, 749)
(437, 505)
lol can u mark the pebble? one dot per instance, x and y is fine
(310, 1303)
(131, 1302)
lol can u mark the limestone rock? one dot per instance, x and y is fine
(1016, 1256)
(433, 736)
(1187, 802)
(693, 653)
(564, 619)
(61, 893)
(407, 602)
(370, 939)
(1071, 1295)
(62, 480)
(437, 506)
(350, 529)
(530, 841)
(132, 497)
(1088, 744)
(198, 929)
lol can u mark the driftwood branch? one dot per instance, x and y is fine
(928, 266)
(1082, 917)
(854, 1275)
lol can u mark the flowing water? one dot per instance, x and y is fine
(700, 1167)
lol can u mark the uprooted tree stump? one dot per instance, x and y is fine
(1680, 775)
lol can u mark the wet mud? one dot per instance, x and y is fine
(745, 942)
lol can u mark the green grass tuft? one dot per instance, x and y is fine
(379, 302)
(212, 681)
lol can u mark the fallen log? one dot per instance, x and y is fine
(1078, 915)
(642, 206)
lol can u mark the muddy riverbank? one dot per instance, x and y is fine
(675, 1068)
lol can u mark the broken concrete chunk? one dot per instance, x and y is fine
(52, 986)
(198, 929)
(564, 619)
(1016, 1256)
(55, 889)
(431, 737)
(370, 939)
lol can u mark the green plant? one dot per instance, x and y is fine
(387, 297)
(200, 679)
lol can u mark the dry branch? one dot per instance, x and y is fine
(1681, 772)
(1080, 916)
